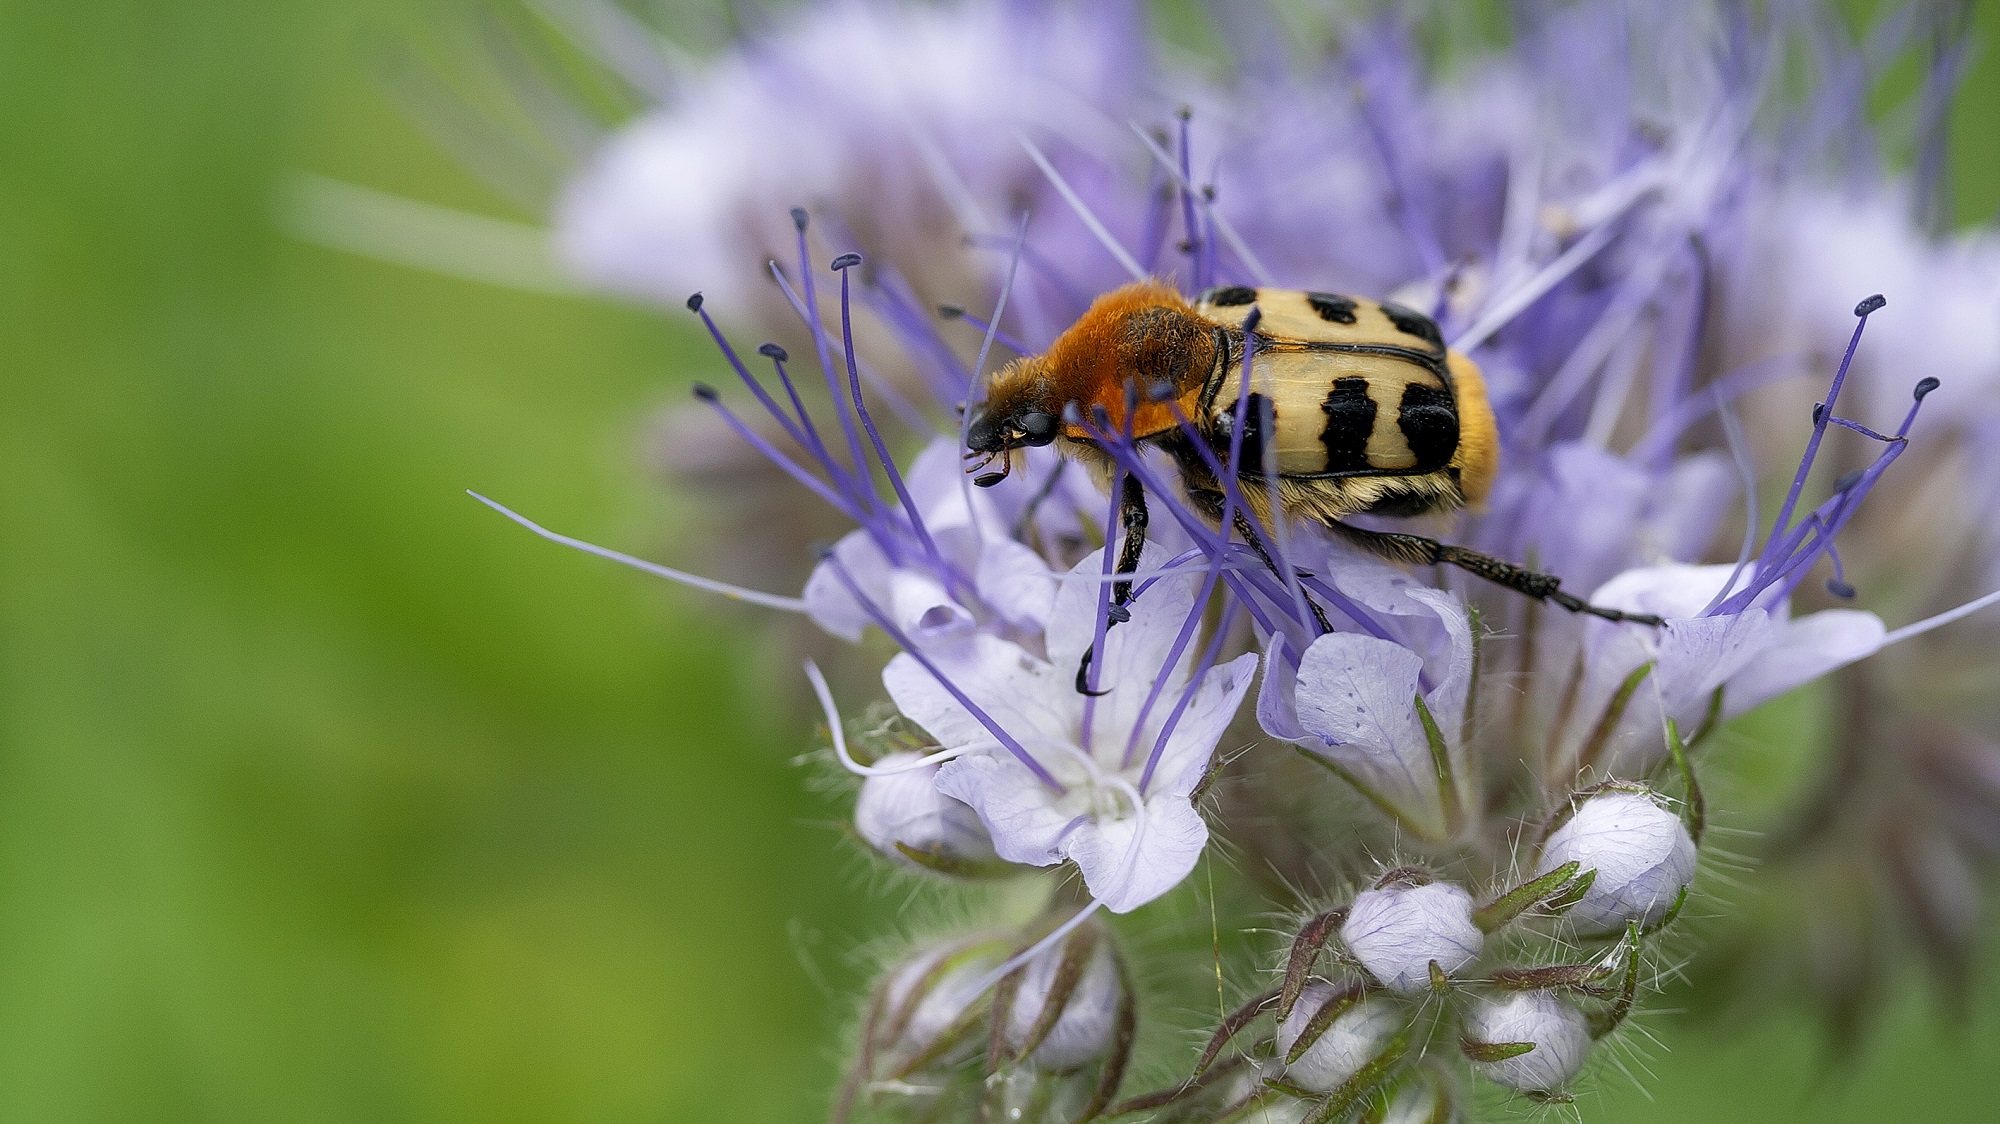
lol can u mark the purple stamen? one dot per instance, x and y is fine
(1785, 563)
(825, 349)
(1188, 224)
(953, 312)
(792, 429)
(1783, 521)
(1201, 669)
(961, 586)
(774, 454)
(979, 715)
(1188, 626)
(812, 441)
(898, 306)
(1078, 296)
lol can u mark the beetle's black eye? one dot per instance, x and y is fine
(1038, 428)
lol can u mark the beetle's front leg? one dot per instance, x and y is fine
(1132, 515)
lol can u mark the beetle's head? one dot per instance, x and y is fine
(1014, 416)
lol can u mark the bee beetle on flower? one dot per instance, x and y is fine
(1353, 407)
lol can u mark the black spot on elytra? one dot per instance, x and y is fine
(1257, 418)
(1429, 421)
(1231, 296)
(1413, 323)
(1350, 419)
(1332, 308)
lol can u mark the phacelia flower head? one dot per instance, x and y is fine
(1595, 227)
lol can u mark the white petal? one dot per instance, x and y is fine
(1130, 860)
(827, 599)
(1554, 1025)
(1017, 691)
(1277, 710)
(1213, 707)
(1016, 583)
(1357, 695)
(1804, 650)
(1019, 811)
(907, 808)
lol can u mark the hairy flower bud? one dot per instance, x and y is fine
(907, 808)
(1088, 1019)
(1398, 931)
(932, 996)
(1553, 1026)
(1642, 854)
(1356, 1037)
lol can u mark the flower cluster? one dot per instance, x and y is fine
(1607, 233)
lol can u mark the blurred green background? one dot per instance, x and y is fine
(327, 795)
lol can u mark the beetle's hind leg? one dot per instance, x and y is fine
(1420, 551)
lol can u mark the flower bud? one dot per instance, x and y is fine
(933, 994)
(1397, 931)
(1556, 1029)
(1642, 853)
(907, 808)
(1418, 1102)
(1089, 1018)
(1356, 1037)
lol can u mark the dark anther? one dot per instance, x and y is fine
(1872, 304)
(694, 303)
(845, 261)
(1840, 589)
(1117, 614)
(799, 218)
(773, 351)
(1160, 391)
(1184, 246)
(950, 311)
(822, 550)
(1819, 412)
(1925, 386)
(1849, 480)
(1185, 113)
(988, 479)
(1072, 413)
(705, 392)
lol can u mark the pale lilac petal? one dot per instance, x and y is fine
(1804, 650)
(1357, 696)
(829, 602)
(1213, 707)
(1277, 709)
(1019, 811)
(1015, 582)
(1011, 686)
(1129, 861)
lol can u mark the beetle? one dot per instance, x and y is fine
(1356, 407)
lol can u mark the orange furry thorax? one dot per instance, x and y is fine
(1129, 341)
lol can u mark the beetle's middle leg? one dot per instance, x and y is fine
(1419, 551)
(1210, 503)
